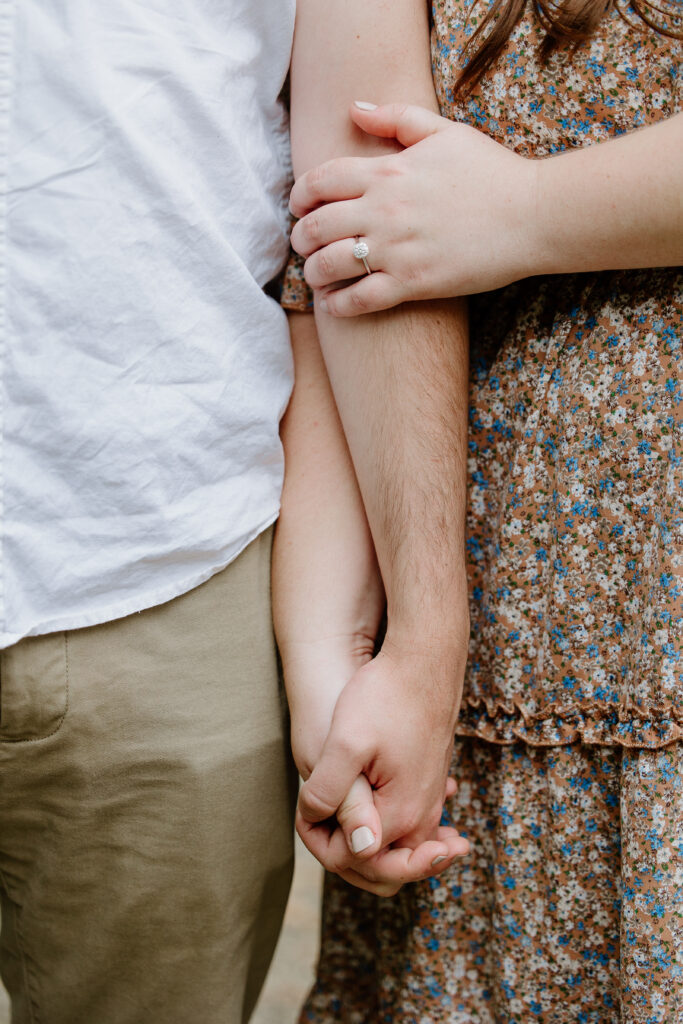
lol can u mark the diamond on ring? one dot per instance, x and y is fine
(361, 251)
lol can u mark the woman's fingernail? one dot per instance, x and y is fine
(363, 105)
(323, 305)
(438, 860)
(361, 838)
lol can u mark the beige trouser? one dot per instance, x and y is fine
(146, 804)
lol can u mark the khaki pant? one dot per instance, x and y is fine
(146, 801)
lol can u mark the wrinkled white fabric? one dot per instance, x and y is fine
(144, 174)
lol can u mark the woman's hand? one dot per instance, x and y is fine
(446, 216)
(457, 213)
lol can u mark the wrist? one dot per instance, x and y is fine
(435, 665)
(536, 226)
(315, 674)
(543, 218)
(441, 639)
(431, 620)
(447, 646)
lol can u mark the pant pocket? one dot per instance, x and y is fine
(34, 688)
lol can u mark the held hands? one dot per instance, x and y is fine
(452, 214)
(390, 727)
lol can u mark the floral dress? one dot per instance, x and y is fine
(568, 756)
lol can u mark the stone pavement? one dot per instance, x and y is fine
(291, 973)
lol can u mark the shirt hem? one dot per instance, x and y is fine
(133, 605)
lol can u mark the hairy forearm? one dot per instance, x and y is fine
(615, 205)
(400, 382)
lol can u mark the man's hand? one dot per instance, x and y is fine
(351, 840)
(394, 722)
(393, 725)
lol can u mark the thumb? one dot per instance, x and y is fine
(330, 781)
(359, 820)
(402, 121)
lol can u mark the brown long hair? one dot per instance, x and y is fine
(565, 22)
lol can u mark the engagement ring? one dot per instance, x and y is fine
(361, 251)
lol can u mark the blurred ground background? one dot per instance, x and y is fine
(291, 973)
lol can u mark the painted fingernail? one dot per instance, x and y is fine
(438, 860)
(323, 305)
(363, 105)
(361, 838)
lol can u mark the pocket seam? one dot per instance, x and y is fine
(58, 726)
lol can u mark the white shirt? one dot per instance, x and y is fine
(144, 174)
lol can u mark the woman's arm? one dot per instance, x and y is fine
(400, 384)
(457, 213)
(328, 597)
(617, 205)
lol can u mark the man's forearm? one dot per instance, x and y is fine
(400, 381)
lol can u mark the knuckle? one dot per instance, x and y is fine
(315, 181)
(362, 868)
(412, 273)
(388, 210)
(326, 265)
(409, 821)
(310, 227)
(314, 807)
(432, 819)
(295, 237)
(421, 823)
(388, 167)
(358, 301)
(348, 746)
(338, 865)
(331, 304)
(296, 205)
(349, 810)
